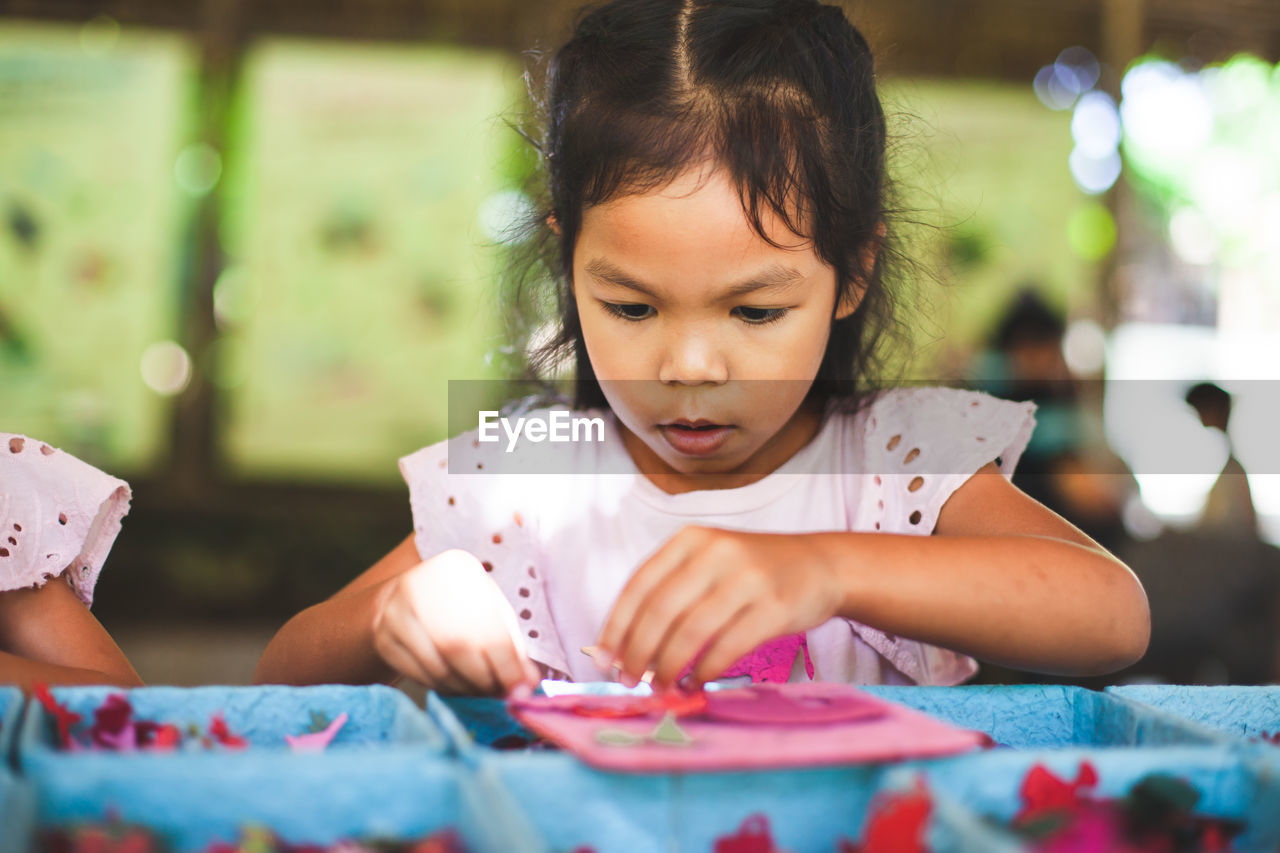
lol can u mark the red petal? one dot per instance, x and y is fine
(899, 822)
(63, 717)
(753, 836)
(218, 729)
(1087, 776)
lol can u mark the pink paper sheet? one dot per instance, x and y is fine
(842, 725)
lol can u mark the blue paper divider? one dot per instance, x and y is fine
(17, 814)
(474, 722)
(1245, 713)
(387, 775)
(11, 705)
(572, 805)
(1047, 716)
(1231, 787)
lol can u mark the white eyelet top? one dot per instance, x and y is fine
(561, 529)
(56, 514)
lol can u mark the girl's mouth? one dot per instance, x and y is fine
(695, 438)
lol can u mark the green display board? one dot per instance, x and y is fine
(90, 232)
(361, 274)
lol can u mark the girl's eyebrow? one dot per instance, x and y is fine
(774, 275)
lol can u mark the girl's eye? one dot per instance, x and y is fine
(628, 310)
(760, 316)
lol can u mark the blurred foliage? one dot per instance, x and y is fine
(982, 174)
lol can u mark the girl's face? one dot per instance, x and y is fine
(704, 337)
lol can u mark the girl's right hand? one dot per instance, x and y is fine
(446, 624)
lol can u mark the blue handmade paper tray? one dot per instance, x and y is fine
(809, 810)
(388, 774)
(1247, 714)
(1231, 787)
(1047, 716)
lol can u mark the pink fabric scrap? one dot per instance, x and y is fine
(770, 662)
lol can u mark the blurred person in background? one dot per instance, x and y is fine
(1085, 484)
(1229, 508)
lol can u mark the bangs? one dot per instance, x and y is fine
(770, 144)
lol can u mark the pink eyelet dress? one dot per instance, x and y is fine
(57, 514)
(561, 530)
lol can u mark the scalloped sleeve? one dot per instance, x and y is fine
(922, 444)
(919, 446)
(57, 514)
(495, 518)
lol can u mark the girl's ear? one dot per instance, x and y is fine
(866, 263)
(553, 223)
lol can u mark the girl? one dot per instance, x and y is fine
(721, 247)
(58, 519)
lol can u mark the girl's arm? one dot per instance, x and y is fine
(441, 621)
(333, 641)
(50, 636)
(1004, 579)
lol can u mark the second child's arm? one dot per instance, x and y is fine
(48, 635)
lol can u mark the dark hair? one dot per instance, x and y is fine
(1208, 395)
(781, 93)
(1029, 320)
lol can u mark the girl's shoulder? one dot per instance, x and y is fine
(56, 512)
(941, 426)
(920, 444)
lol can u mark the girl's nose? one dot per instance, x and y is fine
(693, 359)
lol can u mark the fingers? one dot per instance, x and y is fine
(404, 661)
(443, 675)
(453, 632)
(507, 669)
(637, 590)
(739, 637)
(694, 633)
(666, 606)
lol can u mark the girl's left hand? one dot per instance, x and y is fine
(717, 595)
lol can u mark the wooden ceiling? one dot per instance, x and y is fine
(1003, 39)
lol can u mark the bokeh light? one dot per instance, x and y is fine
(1166, 114)
(1095, 125)
(1084, 347)
(1191, 236)
(198, 169)
(1094, 175)
(234, 297)
(166, 368)
(1091, 231)
(1074, 72)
